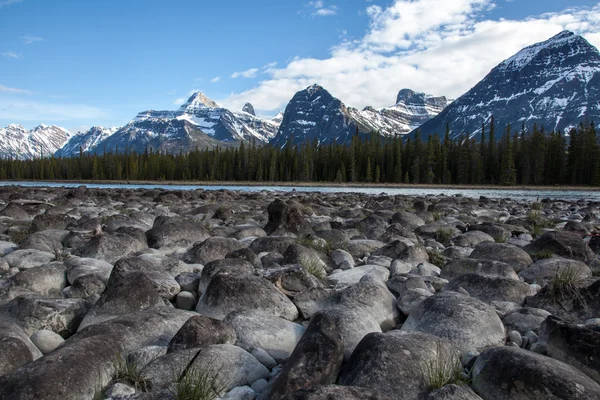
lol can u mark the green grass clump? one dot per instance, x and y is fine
(445, 369)
(318, 244)
(565, 284)
(542, 255)
(198, 384)
(436, 258)
(444, 235)
(313, 267)
(131, 372)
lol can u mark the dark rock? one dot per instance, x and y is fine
(230, 265)
(285, 218)
(228, 292)
(489, 268)
(506, 253)
(13, 354)
(468, 323)
(316, 360)
(211, 249)
(514, 374)
(576, 345)
(390, 363)
(336, 392)
(565, 244)
(490, 289)
(200, 331)
(111, 248)
(453, 392)
(50, 221)
(175, 231)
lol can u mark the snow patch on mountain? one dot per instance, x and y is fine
(43, 140)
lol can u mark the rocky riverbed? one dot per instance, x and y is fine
(156, 294)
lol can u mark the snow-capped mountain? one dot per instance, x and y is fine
(555, 84)
(43, 140)
(86, 141)
(200, 122)
(315, 113)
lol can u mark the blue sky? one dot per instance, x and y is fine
(80, 63)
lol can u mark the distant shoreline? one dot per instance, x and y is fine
(316, 184)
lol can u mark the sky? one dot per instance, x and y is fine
(77, 63)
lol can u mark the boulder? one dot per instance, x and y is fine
(46, 341)
(29, 258)
(111, 248)
(542, 271)
(211, 249)
(492, 269)
(316, 360)
(158, 272)
(575, 345)
(176, 230)
(284, 218)
(488, 289)
(466, 322)
(49, 241)
(525, 319)
(47, 280)
(200, 331)
(472, 239)
(394, 363)
(229, 265)
(77, 267)
(255, 329)
(354, 275)
(13, 355)
(510, 373)
(453, 392)
(337, 392)
(565, 244)
(506, 253)
(132, 293)
(228, 292)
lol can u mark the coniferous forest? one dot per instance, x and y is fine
(509, 157)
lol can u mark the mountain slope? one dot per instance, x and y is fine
(314, 113)
(18, 142)
(200, 122)
(85, 141)
(555, 84)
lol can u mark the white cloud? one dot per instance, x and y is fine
(29, 39)
(16, 110)
(4, 3)
(435, 46)
(180, 101)
(6, 89)
(11, 54)
(215, 79)
(250, 73)
(319, 9)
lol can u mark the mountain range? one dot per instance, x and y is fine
(555, 84)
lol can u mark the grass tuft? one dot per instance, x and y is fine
(436, 258)
(131, 372)
(444, 235)
(198, 384)
(542, 255)
(565, 284)
(445, 369)
(313, 267)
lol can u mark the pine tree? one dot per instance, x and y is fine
(507, 170)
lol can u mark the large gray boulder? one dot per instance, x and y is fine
(78, 267)
(466, 322)
(28, 258)
(509, 373)
(316, 360)
(472, 239)
(211, 249)
(506, 253)
(230, 265)
(337, 392)
(110, 248)
(542, 271)
(174, 231)
(564, 244)
(575, 345)
(131, 293)
(489, 268)
(259, 330)
(47, 280)
(286, 218)
(489, 289)
(49, 241)
(200, 331)
(85, 363)
(394, 363)
(228, 292)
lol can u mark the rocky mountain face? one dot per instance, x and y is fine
(86, 141)
(555, 84)
(200, 122)
(18, 142)
(314, 113)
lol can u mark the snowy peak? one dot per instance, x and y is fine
(566, 43)
(555, 84)
(249, 108)
(197, 101)
(85, 141)
(314, 113)
(43, 140)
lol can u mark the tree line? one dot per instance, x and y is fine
(517, 157)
